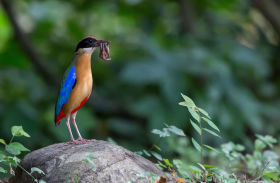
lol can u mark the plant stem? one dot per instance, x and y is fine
(27, 173)
(201, 145)
(11, 139)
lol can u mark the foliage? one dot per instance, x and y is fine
(196, 113)
(228, 62)
(9, 158)
(263, 162)
(231, 164)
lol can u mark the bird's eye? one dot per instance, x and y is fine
(90, 41)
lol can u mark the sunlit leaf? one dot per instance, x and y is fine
(196, 127)
(166, 161)
(176, 131)
(18, 131)
(2, 141)
(209, 166)
(163, 133)
(210, 148)
(189, 101)
(204, 112)
(210, 123)
(196, 145)
(272, 175)
(211, 132)
(183, 104)
(38, 170)
(157, 147)
(193, 113)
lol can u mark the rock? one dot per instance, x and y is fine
(66, 163)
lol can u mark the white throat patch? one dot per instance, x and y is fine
(91, 49)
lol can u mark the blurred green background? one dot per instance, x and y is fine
(224, 54)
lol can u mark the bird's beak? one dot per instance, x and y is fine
(104, 50)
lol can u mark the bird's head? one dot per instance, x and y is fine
(90, 43)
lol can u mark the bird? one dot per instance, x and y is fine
(76, 86)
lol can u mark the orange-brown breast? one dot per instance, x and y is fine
(83, 86)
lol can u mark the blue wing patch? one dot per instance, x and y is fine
(66, 87)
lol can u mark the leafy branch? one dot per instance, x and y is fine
(12, 150)
(200, 115)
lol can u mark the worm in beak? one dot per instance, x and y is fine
(104, 50)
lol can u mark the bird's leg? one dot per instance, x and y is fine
(73, 141)
(80, 138)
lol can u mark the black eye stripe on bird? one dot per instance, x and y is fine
(76, 86)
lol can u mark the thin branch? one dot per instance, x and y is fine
(26, 46)
(186, 14)
(271, 11)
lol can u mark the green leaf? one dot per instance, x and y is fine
(196, 127)
(91, 163)
(211, 132)
(146, 153)
(163, 133)
(211, 148)
(166, 161)
(157, 147)
(183, 104)
(2, 170)
(13, 160)
(210, 123)
(210, 166)
(2, 156)
(189, 101)
(272, 175)
(269, 140)
(176, 131)
(139, 153)
(18, 131)
(259, 145)
(162, 165)
(194, 169)
(204, 112)
(156, 155)
(35, 169)
(193, 113)
(196, 145)
(15, 148)
(203, 168)
(2, 141)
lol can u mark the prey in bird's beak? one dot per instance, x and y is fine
(104, 49)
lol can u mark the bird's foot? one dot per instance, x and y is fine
(76, 142)
(82, 140)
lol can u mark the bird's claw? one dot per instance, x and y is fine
(82, 140)
(76, 142)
